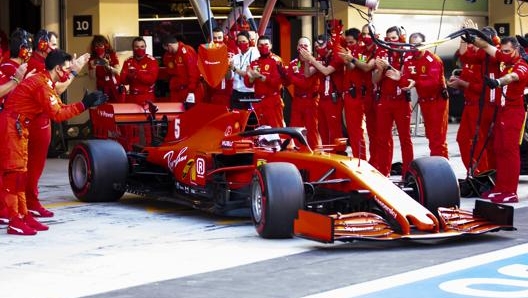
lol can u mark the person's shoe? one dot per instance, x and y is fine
(40, 211)
(4, 216)
(504, 197)
(18, 227)
(34, 224)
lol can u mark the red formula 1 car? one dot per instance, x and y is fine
(222, 162)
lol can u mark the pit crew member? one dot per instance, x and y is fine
(266, 74)
(34, 96)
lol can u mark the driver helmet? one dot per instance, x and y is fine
(271, 142)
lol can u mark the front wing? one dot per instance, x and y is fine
(486, 217)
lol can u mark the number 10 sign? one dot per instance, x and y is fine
(82, 25)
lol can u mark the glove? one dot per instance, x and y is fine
(492, 83)
(468, 38)
(480, 43)
(190, 98)
(93, 99)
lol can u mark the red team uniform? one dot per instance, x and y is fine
(392, 106)
(38, 143)
(427, 70)
(269, 109)
(508, 128)
(183, 72)
(354, 105)
(305, 102)
(105, 80)
(476, 60)
(330, 100)
(141, 75)
(37, 62)
(34, 97)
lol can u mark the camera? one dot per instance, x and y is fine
(352, 91)
(100, 62)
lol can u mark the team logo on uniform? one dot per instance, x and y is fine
(266, 67)
(53, 100)
(170, 65)
(180, 60)
(143, 66)
(423, 69)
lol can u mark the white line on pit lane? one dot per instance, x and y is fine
(421, 274)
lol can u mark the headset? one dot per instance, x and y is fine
(400, 31)
(417, 34)
(492, 34)
(20, 44)
(42, 40)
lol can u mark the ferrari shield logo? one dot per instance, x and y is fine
(266, 67)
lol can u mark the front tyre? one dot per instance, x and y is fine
(434, 183)
(277, 193)
(97, 171)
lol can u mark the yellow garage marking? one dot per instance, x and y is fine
(63, 204)
(227, 222)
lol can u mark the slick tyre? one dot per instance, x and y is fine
(434, 183)
(97, 171)
(277, 193)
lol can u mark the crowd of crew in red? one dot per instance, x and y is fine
(348, 75)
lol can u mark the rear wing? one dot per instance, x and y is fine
(108, 119)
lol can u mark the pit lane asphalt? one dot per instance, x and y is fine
(145, 248)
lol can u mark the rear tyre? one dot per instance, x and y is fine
(277, 193)
(434, 183)
(97, 171)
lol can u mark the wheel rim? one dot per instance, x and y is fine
(412, 183)
(256, 201)
(79, 171)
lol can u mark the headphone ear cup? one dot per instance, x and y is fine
(43, 40)
(496, 40)
(42, 45)
(23, 52)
